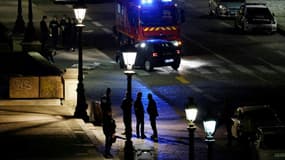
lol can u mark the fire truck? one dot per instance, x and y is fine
(138, 20)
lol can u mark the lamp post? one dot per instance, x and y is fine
(81, 106)
(19, 27)
(191, 114)
(30, 32)
(129, 59)
(209, 127)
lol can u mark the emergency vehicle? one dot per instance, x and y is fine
(138, 20)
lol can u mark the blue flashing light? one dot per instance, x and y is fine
(166, 0)
(146, 1)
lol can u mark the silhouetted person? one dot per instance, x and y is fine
(54, 30)
(139, 112)
(152, 111)
(126, 106)
(109, 129)
(106, 103)
(71, 32)
(44, 32)
(63, 32)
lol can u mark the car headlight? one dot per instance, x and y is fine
(176, 43)
(143, 45)
(222, 7)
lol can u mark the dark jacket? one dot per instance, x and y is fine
(152, 109)
(44, 30)
(109, 126)
(106, 104)
(139, 110)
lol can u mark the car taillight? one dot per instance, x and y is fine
(154, 54)
(178, 51)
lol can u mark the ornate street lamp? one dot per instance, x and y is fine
(19, 27)
(129, 59)
(209, 126)
(81, 106)
(191, 114)
(30, 32)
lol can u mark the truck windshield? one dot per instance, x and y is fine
(158, 17)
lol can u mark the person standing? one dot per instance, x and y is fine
(139, 112)
(152, 111)
(72, 34)
(44, 32)
(54, 30)
(109, 130)
(106, 103)
(63, 32)
(126, 106)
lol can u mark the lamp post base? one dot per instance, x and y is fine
(210, 142)
(81, 106)
(191, 130)
(129, 150)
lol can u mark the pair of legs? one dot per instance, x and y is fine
(154, 129)
(140, 127)
(108, 145)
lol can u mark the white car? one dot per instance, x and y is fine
(255, 17)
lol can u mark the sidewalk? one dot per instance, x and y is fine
(45, 132)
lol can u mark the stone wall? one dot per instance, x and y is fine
(36, 87)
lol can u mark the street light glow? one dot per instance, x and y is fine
(191, 114)
(209, 127)
(79, 11)
(129, 59)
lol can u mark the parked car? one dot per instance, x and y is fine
(224, 8)
(255, 17)
(152, 53)
(248, 119)
(270, 143)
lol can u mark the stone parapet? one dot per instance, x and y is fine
(36, 87)
(70, 77)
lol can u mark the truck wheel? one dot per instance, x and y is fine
(176, 65)
(148, 66)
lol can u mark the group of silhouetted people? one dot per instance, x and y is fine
(109, 124)
(55, 30)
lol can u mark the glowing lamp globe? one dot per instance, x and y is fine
(191, 114)
(129, 59)
(79, 11)
(209, 127)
